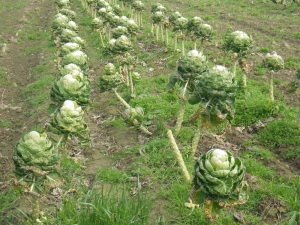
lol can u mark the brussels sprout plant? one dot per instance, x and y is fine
(180, 25)
(69, 122)
(77, 57)
(239, 44)
(73, 86)
(215, 94)
(273, 63)
(189, 70)
(35, 158)
(135, 116)
(218, 182)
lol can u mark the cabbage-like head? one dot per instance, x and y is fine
(122, 45)
(79, 41)
(69, 118)
(102, 3)
(77, 57)
(136, 77)
(134, 114)
(69, 13)
(119, 31)
(239, 42)
(60, 21)
(97, 23)
(191, 65)
(71, 25)
(132, 27)
(174, 16)
(180, 24)
(62, 3)
(109, 69)
(74, 86)
(68, 47)
(273, 62)
(158, 7)
(157, 17)
(203, 31)
(68, 69)
(110, 78)
(117, 9)
(138, 6)
(219, 174)
(67, 35)
(215, 91)
(194, 23)
(34, 154)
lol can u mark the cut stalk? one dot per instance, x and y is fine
(141, 127)
(179, 157)
(121, 99)
(271, 86)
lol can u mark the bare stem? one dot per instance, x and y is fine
(121, 99)
(179, 157)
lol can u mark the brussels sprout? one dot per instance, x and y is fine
(97, 23)
(69, 68)
(216, 93)
(132, 27)
(157, 17)
(117, 9)
(77, 57)
(60, 21)
(174, 16)
(110, 78)
(136, 77)
(68, 47)
(79, 41)
(158, 7)
(74, 86)
(273, 62)
(119, 31)
(192, 65)
(203, 31)
(69, 13)
(35, 158)
(35, 150)
(102, 3)
(68, 119)
(138, 6)
(180, 24)
(239, 42)
(194, 23)
(111, 45)
(67, 35)
(71, 25)
(135, 116)
(62, 3)
(218, 174)
(122, 45)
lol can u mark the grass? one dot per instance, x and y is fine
(154, 160)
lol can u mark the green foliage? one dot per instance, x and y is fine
(113, 207)
(293, 153)
(252, 107)
(111, 175)
(280, 132)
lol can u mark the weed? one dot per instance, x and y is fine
(115, 207)
(111, 175)
(5, 123)
(279, 132)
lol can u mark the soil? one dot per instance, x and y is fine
(15, 113)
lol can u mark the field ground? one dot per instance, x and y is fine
(120, 155)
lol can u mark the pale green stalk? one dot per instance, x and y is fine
(244, 81)
(271, 86)
(167, 38)
(157, 29)
(181, 112)
(162, 32)
(141, 127)
(175, 42)
(121, 99)
(179, 157)
(101, 38)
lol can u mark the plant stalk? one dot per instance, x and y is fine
(121, 99)
(179, 157)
